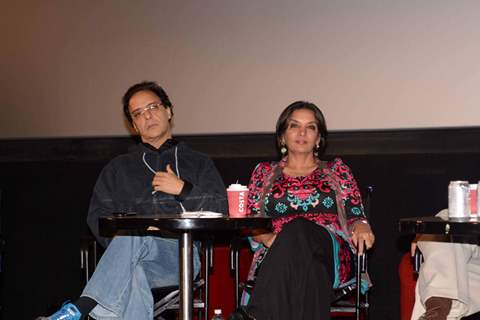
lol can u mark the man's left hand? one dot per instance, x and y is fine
(167, 181)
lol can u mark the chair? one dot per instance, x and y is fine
(408, 271)
(88, 256)
(2, 246)
(349, 299)
(167, 298)
(2, 239)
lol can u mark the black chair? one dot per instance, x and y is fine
(417, 262)
(2, 246)
(166, 298)
(349, 299)
(89, 252)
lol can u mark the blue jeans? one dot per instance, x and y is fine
(129, 268)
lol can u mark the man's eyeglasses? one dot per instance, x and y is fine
(152, 107)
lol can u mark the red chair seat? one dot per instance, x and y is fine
(408, 280)
(222, 283)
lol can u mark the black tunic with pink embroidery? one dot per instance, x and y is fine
(314, 197)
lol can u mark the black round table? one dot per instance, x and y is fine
(185, 227)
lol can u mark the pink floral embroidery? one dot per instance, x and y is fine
(310, 197)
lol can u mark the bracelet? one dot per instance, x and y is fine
(364, 221)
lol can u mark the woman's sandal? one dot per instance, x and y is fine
(240, 314)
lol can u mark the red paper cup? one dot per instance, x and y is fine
(237, 201)
(473, 199)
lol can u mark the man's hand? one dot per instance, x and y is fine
(413, 247)
(362, 237)
(167, 181)
(425, 237)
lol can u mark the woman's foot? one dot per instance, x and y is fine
(241, 314)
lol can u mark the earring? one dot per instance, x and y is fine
(315, 152)
(283, 150)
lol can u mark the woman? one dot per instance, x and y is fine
(318, 223)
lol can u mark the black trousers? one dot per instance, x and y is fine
(295, 279)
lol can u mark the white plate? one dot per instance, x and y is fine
(201, 214)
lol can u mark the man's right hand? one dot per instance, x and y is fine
(424, 237)
(167, 181)
(413, 248)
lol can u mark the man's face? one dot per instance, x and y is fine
(150, 118)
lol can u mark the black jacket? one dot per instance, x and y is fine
(125, 184)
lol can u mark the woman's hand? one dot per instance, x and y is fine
(362, 237)
(265, 238)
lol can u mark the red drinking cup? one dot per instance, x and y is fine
(237, 200)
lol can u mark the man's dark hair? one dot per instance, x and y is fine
(283, 120)
(145, 86)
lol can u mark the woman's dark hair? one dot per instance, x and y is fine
(145, 86)
(283, 121)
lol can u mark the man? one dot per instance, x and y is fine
(161, 175)
(448, 285)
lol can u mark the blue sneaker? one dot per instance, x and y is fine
(68, 312)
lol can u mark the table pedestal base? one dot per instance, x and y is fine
(186, 277)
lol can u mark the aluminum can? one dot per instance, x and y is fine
(459, 199)
(475, 214)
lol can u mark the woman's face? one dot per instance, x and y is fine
(301, 135)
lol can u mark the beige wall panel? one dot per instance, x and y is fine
(232, 66)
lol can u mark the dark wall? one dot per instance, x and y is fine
(47, 184)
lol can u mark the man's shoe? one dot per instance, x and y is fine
(68, 312)
(437, 308)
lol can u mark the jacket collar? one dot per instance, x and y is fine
(164, 147)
